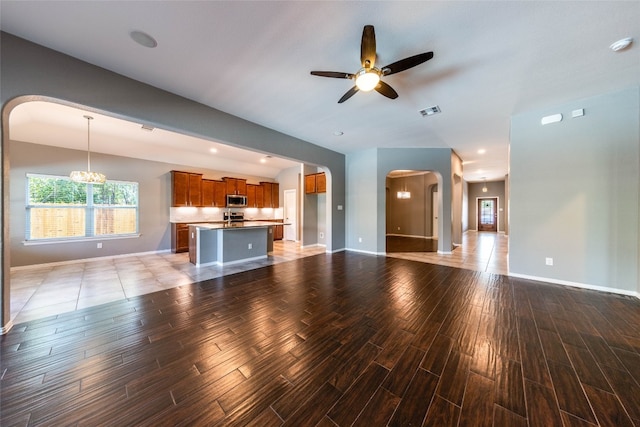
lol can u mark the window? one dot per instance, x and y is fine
(58, 208)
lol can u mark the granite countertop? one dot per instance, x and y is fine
(226, 225)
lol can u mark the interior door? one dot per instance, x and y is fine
(290, 215)
(488, 214)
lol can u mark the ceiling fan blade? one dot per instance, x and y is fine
(334, 74)
(406, 63)
(368, 47)
(349, 94)
(386, 90)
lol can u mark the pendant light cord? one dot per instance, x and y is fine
(89, 118)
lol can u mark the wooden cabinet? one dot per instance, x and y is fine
(214, 193)
(186, 189)
(208, 192)
(179, 238)
(310, 184)
(321, 183)
(259, 196)
(237, 186)
(220, 193)
(271, 196)
(278, 232)
(315, 183)
(255, 196)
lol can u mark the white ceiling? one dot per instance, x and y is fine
(64, 126)
(492, 59)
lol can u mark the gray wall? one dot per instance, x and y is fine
(494, 189)
(30, 71)
(367, 172)
(465, 206)
(574, 189)
(309, 212)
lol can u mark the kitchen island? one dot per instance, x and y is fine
(226, 243)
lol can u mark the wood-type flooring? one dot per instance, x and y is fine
(332, 340)
(411, 244)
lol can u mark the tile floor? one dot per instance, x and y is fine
(44, 290)
(483, 251)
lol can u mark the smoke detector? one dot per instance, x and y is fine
(430, 111)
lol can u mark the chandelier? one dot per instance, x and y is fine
(88, 177)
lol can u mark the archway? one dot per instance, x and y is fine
(412, 209)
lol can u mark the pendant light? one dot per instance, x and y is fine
(88, 177)
(404, 193)
(484, 187)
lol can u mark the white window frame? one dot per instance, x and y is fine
(89, 209)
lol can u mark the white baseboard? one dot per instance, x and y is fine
(367, 252)
(76, 261)
(6, 328)
(576, 284)
(336, 251)
(410, 235)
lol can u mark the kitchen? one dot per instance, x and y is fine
(251, 217)
(48, 138)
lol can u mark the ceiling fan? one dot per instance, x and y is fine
(368, 77)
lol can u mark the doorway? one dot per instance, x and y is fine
(290, 215)
(488, 214)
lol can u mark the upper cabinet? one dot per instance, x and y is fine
(255, 196)
(186, 189)
(220, 193)
(236, 186)
(214, 193)
(271, 195)
(315, 183)
(190, 189)
(208, 192)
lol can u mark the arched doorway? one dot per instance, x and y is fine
(412, 207)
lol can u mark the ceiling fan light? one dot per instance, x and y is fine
(367, 79)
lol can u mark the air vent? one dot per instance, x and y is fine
(148, 128)
(430, 111)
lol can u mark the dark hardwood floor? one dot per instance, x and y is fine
(343, 339)
(411, 244)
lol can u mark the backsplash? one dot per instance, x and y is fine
(191, 214)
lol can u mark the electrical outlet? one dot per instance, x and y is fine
(398, 228)
(321, 235)
(359, 239)
(99, 245)
(250, 245)
(548, 261)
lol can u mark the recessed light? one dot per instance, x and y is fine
(264, 159)
(143, 39)
(621, 44)
(338, 133)
(213, 150)
(482, 151)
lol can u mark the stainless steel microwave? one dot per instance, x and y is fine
(236, 201)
